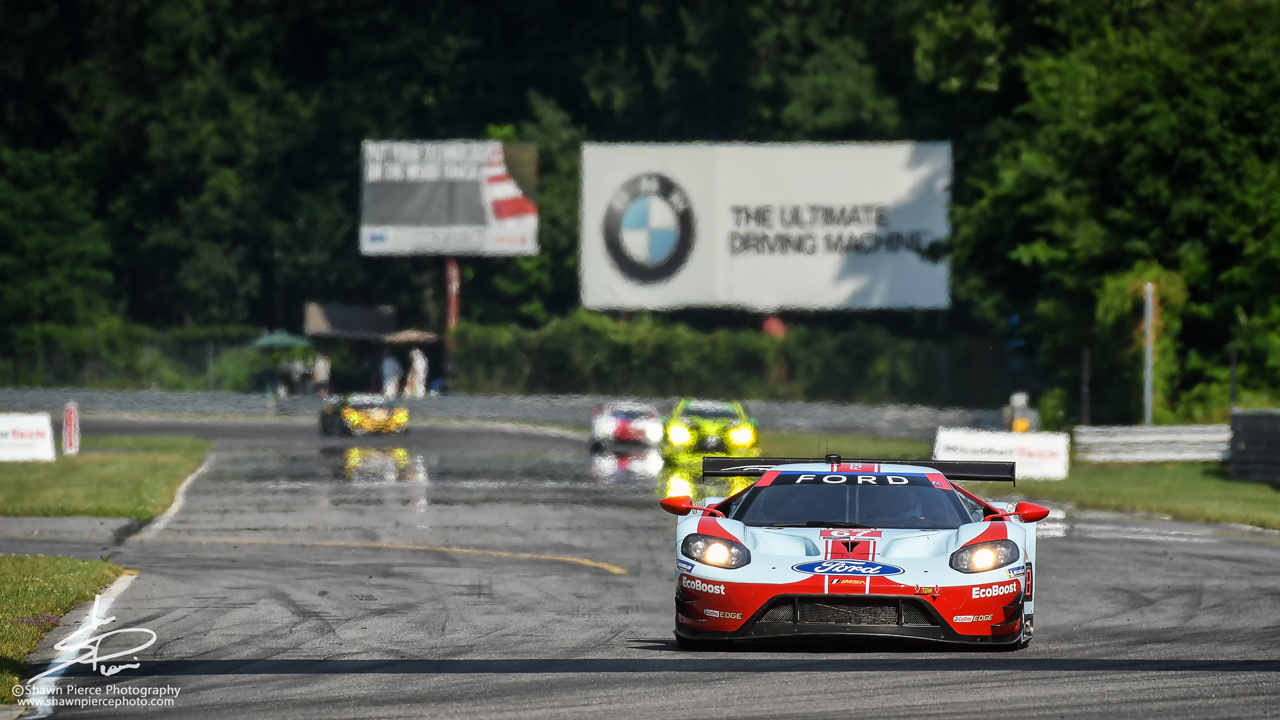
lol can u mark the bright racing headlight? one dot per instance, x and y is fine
(715, 551)
(653, 432)
(400, 417)
(984, 556)
(742, 436)
(679, 434)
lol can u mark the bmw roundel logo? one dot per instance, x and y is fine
(649, 228)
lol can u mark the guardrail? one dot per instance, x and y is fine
(573, 410)
(1255, 445)
(1169, 443)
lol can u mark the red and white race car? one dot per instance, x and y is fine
(625, 423)
(836, 548)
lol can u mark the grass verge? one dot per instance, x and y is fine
(1196, 492)
(113, 476)
(35, 592)
(784, 444)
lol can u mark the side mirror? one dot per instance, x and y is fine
(678, 505)
(683, 505)
(1031, 512)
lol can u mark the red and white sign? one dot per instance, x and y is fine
(1037, 456)
(71, 429)
(26, 436)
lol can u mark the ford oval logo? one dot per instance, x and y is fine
(847, 567)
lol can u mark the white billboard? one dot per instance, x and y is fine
(1037, 456)
(764, 227)
(26, 436)
(454, 197)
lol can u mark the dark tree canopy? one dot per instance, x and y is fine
(171, 162)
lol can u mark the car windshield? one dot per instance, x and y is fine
(632, 413)
(852, 500)
(363, 402)
(711, 412)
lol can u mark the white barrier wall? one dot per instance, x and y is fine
(1038, 456)
(26, 436)
(1167, 443)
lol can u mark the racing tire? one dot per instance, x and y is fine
(1028, 630)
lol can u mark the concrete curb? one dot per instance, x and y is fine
(159, 523)
(84, 528)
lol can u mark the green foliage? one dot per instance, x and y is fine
(1052, 407)
(116, 355)
(53, 253)
(176, 163)
(1145, 152)
(592, 353)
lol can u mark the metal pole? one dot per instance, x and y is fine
(1084, 388)
(452, 287)
(1233, 377)
(1149, 361)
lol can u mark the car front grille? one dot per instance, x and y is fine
(881, 614)
(829, 610)
(913, 615)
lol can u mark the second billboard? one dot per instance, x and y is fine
(764, 227)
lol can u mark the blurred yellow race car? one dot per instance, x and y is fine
(709, 427)
(363, 415)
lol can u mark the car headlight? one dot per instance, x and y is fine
(401, 417)
(679, 484)
(351, 416)
(653, 432)
(715, 551)
(742, 436)
(982, 557)
(605, 427)
(679, 434)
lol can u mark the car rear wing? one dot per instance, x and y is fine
(954, 470)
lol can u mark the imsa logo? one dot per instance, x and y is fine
(649, 228)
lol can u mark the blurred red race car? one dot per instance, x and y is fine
(625, 423)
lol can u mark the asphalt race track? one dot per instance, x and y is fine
(478, 573)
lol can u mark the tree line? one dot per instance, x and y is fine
(195, 162)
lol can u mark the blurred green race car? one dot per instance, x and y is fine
(709, 427)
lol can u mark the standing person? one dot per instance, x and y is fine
(416, 385)
(320, 375)
(391, 372)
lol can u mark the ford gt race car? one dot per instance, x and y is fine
(362, 415)
(830, 548)
(698, 427)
